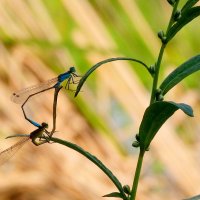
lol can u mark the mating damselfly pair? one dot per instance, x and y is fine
(23, 96)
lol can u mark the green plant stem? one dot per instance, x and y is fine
(158, 63)
(137, 175)
(156, 75)
(153, 99)
(171, 21)
(95, 160)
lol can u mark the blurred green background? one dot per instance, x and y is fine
(42, 38)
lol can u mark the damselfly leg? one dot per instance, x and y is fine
(37, 134)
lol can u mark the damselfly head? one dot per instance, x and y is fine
(44, 125)
(72, 69)
(16, 95)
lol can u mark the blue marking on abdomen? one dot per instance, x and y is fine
(34, 123)
(61, 78)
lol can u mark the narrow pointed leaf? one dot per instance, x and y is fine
(181, 72)
(155, 116)
(114, 194)
(193, 198)
(189, 4)
(186, 17)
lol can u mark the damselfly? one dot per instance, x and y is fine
(37, 137)
(22, 96)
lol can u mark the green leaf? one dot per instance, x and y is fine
(186, 17)
(114, 194)
(193, 198)
(155, 116)
(181, 72)
(188, 5)
(97, 65)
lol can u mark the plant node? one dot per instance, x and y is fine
(137, 137)
(162, 36)
(152, 69)
(136, 144)
(177, 15)
(171, 2)
(159, 96)
(127, 189)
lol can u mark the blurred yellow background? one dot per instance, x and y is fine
(43, 38)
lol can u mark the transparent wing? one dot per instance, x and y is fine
(20, 96)
(6, 154)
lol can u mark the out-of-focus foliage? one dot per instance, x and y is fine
(40, 35)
